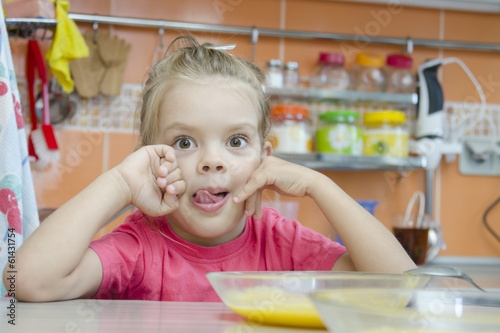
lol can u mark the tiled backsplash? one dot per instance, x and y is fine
(468, 115)
(100, 113)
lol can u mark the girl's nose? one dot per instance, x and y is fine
(211, 161)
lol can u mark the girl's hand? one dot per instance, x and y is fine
(153, 179)
(286, 178)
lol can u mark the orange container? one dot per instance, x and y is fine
(291, 131)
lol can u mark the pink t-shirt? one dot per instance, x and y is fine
(140, 263)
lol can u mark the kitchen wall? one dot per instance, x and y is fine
(463, 199)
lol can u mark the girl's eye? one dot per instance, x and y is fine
(237, 142)
(184, 143)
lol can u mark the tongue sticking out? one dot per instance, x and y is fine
(206, 197)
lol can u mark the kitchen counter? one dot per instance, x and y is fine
(109, 316)
(121, 316)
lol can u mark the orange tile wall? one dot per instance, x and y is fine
(464, 199)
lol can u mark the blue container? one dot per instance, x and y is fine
(369, 205)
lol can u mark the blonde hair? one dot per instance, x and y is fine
(199, 64)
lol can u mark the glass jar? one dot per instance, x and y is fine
(291, 75)
(369, 73)
(274, 74)
(339, 133)
(291, 131)
(385, 133)
(400, 77)
(330, 72)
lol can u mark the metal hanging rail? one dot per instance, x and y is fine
(251, 31)
(31, 28)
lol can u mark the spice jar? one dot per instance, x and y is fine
(291, 75)
(385, 133)
(330, 72)
(291, 131)
(339, 133)
(400, 78)
(369, 73)
(274, 75)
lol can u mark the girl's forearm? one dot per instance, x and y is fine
(57, 246)
(371, 246)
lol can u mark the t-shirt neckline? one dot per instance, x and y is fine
(218, 252)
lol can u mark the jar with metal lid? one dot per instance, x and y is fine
(339, 133)
(291, 130)
(330, 72)
(385, 133)
(291, 74)
(400, 77)
(274, 74)
(369, 73)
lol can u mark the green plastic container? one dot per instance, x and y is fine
(339, 133)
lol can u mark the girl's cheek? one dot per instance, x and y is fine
(244, 166)
(183, 159)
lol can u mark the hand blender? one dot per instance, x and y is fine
(429, 128)
(430, 114)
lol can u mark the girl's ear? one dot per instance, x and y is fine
(267, 150)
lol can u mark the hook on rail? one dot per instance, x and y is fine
(254, 38)
(95, 26)
(408, 48)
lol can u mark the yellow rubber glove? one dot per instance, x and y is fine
(68, 44)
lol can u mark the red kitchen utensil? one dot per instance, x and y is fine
(42, 143)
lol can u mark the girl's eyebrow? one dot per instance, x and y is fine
(181, 126)
(242, 127)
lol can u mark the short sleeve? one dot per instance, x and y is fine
(312, 251)
(298, 248)
(123, 262)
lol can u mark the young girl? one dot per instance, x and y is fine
(196, 183)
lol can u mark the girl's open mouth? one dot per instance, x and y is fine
(209, 200)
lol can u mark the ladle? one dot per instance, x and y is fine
(444, 271)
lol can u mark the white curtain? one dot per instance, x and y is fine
(18, 210)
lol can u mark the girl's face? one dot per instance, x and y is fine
(214, 132)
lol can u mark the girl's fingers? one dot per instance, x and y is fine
(161, 182)
(250, 206)
(169, 203)
(250, 188)
(170, 200)
(176, 188)
(258, 208)
(167, 173)
(164, 151)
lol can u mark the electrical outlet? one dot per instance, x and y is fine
(480, 156)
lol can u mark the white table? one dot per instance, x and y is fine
(109, 316)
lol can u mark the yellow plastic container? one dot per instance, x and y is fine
(385, 134)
